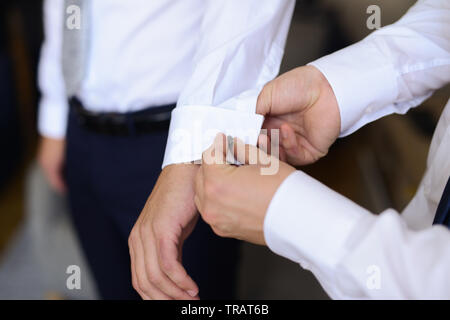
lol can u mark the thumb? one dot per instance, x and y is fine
(250, 154)
(217, 152)
(264, 102)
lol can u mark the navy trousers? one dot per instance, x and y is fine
(109, 179)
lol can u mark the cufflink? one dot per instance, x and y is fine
(230, 150)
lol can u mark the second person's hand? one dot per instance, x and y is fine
(233, 200)
(302, 105)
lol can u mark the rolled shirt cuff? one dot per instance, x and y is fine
(193, 129)
(309, 223)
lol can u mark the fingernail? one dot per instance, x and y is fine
(192, 293)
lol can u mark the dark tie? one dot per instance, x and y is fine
(443, 210)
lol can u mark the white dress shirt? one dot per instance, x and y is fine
(353, 253)
(211, 56)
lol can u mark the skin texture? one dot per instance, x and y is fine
(233, 200)
(156, 241)
(51, 157)
(302, 105)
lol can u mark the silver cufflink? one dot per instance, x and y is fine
(230, 150)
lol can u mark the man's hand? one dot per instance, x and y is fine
(302, 105)
(234, 200)
(156, 241)
(51, 157)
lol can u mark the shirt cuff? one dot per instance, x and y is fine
(309, 223)
(364, 83)
(52, 119)
(193, 129)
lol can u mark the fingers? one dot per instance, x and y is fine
(296, 153)
(288, 138)
(214, 164)
(213, 158)
(264, 143)
(168, 218)
(270, 143)
(137, 271)
(140, 281)
(249, 154)
(290, 146)
(168, 255)
(55, 179)
(156, 277)
(264, 102)
(51, 156)
(148, 276)
(216, 154)
(53, 171)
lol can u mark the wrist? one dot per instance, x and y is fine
(328, 98)
(185, 169)
(180, 179)
(322, 83)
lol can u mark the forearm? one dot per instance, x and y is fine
(353, 253)
(394, 68)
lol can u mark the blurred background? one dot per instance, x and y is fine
(378, 167)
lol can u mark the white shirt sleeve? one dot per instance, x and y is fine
(354, 254)
(53, 108)
(240, 50)
(394, 68)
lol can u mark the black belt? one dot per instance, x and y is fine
(123, 124)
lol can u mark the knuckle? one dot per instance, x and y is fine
(167, 265)
(132, 237)
(209, 215)
(143, 229)
(135, 285)
(139, 286)
(224, 227)
(178, 296)
(158, 230)
(154, 279)
(219, 231)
